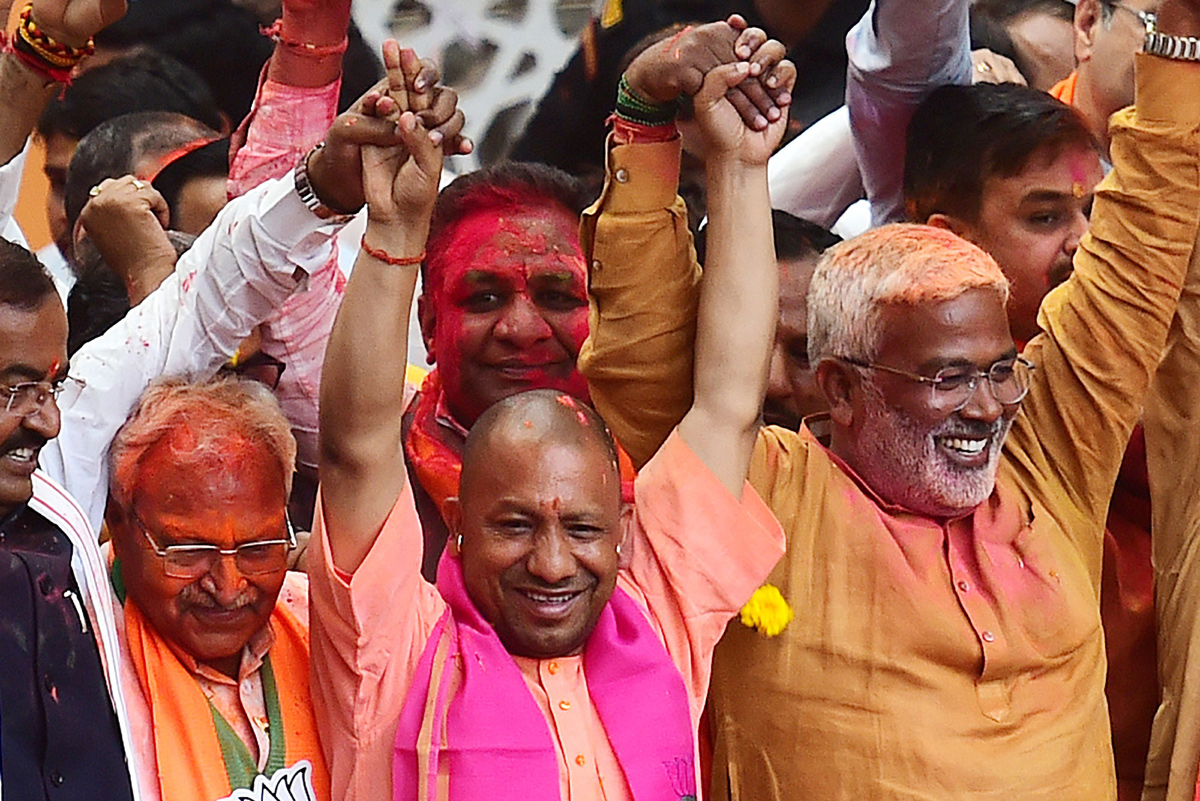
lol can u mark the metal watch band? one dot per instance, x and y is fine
(1183, 48)
(309, 197)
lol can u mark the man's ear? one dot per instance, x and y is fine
(452, 514)
(428, 321)
(117, 521)
(955, 225)
(625, 542)
(1088, 15)
(838, 382)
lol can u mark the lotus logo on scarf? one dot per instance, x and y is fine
(682, 774)
(286, 784)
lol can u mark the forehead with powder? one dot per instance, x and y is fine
(542, 416)
(514, 240)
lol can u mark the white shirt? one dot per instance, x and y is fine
(261, 248)
(899, 52)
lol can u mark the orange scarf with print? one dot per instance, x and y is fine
(187, 751)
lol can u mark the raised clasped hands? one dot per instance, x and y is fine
(726, 128)
(676, 67)
(336, 171)
(400, 182)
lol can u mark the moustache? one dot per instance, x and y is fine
(23, 438)
(195, 595)
(973, 429)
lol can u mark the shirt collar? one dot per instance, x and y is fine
(253, 654)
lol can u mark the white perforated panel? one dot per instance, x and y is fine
(500, 55)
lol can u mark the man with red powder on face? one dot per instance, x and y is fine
(504, 310)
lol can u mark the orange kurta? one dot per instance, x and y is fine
(928, 661)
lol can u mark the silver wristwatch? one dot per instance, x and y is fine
(309, 197)
(1182, 48)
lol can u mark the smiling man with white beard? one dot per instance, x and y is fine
(945, 522)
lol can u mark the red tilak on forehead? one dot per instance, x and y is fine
(54, 365)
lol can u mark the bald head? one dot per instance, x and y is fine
(543, 416)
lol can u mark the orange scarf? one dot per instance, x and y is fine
(438, 465)
(187, 749)
(1064, 90)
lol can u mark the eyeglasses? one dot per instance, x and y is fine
(194, 561)
(29, 396)
(952, 388)
(1149, 19)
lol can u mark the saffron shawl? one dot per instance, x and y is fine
(191, 759)
(470, 729)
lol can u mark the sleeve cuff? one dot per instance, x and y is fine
(642, 177)
(736, 539)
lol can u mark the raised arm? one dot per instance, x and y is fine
(26, 90)
(362, 386)
(644, 279)
(739, 292)
(1105, 329)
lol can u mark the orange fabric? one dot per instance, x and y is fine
(437, 461)
(438, 465)
(370, 631)
(1064, 90)
(588, 768)
(182, 721)
(1127, 612)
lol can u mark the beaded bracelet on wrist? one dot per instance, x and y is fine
(636, 109)
(53, 51)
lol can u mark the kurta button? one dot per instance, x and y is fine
(595, 264)
(581, 760)
(564, 705)
(988, 636)
(553, 668)
(56, 779)
(622, 176)
(964, 586)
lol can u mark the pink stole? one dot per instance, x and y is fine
(470, 728)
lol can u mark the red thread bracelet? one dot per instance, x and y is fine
(387, 258)
(275, 33)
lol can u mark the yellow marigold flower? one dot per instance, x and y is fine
(767, 611)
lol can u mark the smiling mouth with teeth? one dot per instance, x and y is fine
(557, 598)
(970, 447)
(22, 454)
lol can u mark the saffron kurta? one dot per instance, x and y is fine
(928, 660)
(695, 554)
